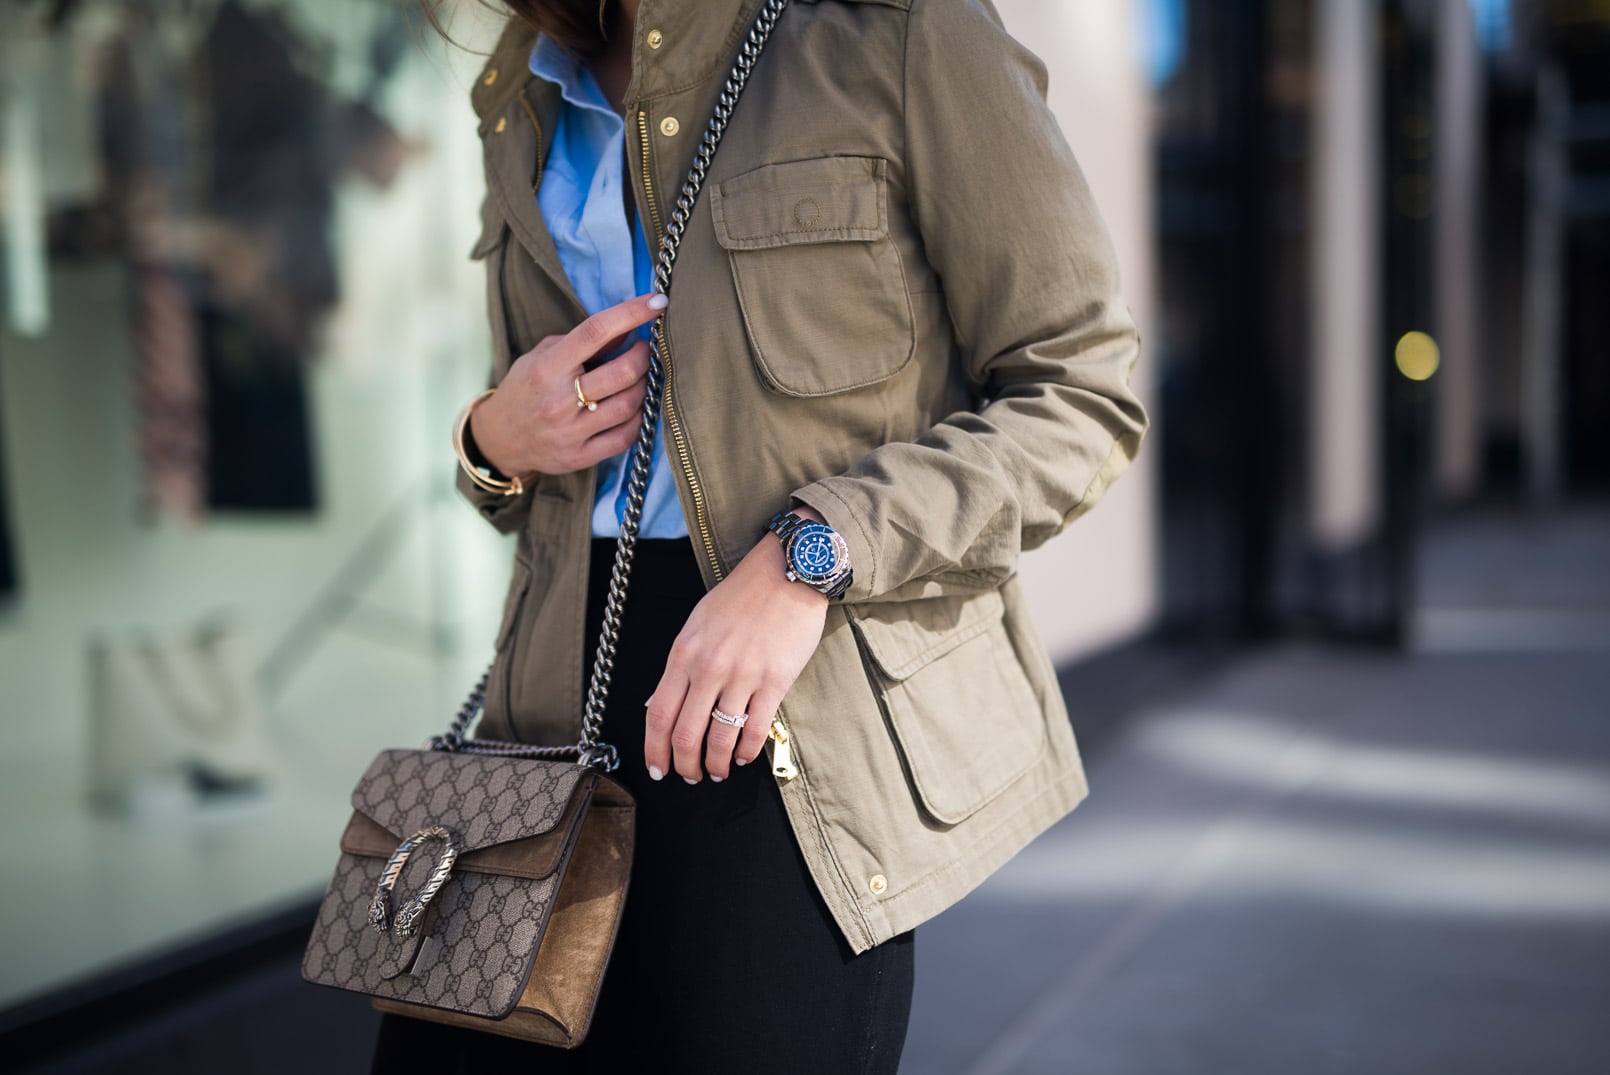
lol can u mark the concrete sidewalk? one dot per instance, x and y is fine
(1322, 861)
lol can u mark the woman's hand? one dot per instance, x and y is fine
(533, 424)
(743, 646)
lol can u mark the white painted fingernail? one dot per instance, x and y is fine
(690, 780)
(658, 302)
(656, 773)
(714, 779)
(740, 761)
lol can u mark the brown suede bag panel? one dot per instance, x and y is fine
(527, 1026)
(581, 931)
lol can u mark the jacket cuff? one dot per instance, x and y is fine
(827, 503)
(506, 513)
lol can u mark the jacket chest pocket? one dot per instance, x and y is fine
(958, 702)
(818, 278)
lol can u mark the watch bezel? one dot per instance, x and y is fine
(823, 582)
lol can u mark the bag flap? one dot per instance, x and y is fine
(826, 199)
(483, 801)
(531, 857)
(903, 636)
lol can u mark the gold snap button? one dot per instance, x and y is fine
(491, 76)
(503, 123)
(878, 884)
(655, 39)
(669, 126)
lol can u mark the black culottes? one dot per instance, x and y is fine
(728, 960)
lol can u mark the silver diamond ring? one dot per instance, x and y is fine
(732, 720)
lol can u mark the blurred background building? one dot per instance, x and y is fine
(1368, 244)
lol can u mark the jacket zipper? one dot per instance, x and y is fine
(525, 103)
(782, 751)
(648, 178)
(673, 421)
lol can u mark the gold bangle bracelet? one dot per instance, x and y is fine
(481, 476)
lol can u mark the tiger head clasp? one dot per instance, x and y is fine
(407, 920)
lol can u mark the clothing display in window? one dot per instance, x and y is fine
(268, 187)
(149, 159)
(258, 432)
(222, 147)
(170, 393)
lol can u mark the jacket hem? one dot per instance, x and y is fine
(970, 867)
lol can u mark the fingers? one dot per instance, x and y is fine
(613, 427)
(660, 718)
(557, 436)
(675, 720)
(762, 708)
(722, 737)
(612, 411)
(594, 335)
(610, 442)
(687, 738)
(617, 375)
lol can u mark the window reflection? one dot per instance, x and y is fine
(236, 315)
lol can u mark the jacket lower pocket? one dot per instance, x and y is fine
(958, 702)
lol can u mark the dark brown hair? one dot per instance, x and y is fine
(580, 27)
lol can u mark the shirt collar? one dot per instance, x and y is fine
(576, 83)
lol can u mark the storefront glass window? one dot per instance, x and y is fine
(237, 316)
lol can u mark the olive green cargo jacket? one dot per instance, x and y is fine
(895, 302)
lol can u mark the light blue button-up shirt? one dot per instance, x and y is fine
(583, 205)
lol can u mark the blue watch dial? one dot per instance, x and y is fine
(813, 554)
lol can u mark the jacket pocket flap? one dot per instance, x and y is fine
(484, 802)
(826, 199)
(902, 637)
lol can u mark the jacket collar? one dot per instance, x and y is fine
(514, 142)
(698, 40)
(517, 110)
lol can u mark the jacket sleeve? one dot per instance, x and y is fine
(489, 97)
(1030, 280)
(506, 513)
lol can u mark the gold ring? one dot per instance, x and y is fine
(582, 402)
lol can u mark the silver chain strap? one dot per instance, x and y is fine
(591, 750)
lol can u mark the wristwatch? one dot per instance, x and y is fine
(815, 553)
